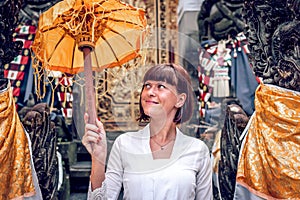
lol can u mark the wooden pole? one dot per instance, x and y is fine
(89, 86)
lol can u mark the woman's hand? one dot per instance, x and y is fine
(94, 140)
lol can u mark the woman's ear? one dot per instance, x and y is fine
(180, 100)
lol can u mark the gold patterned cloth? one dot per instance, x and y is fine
(15, 171)
(269, 164)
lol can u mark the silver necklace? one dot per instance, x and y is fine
(162, 147)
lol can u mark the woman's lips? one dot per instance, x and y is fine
(151, 102)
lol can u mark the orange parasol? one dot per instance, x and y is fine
(86, 35)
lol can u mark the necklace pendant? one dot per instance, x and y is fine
(162, 148)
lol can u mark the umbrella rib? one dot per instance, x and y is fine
(110, 48)
(118, 9)
(94, 52)
(114, 9)
(73, 54)
(119, 20)
(120, 35)
(59, 41)
(47, 29)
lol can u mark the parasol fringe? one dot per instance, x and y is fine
(52, 100)
(38, 89)
(65, 97)
(52, 96)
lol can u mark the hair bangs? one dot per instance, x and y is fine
(161, 73)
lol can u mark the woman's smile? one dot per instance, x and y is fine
(151, 102)
(158, 97)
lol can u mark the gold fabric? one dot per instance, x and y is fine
(216, 152)
(15, 171)
(115, 29)
(269, 164)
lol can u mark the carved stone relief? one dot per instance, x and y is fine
(273, 32)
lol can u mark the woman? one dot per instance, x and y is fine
(159, 161)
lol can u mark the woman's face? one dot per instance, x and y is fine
(159, 99)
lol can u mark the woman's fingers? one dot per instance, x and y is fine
(92, 127)
(92, 136)
(94, 139)
(101, 128)
(94, 133)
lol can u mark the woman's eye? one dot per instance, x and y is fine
(147, 85)
(161, 86)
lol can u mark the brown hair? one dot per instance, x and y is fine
(175, 75)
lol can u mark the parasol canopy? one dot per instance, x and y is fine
(84, 35)
(113, 28)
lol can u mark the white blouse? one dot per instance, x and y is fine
(186, 175)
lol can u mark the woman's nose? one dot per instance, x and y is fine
(151, 91)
